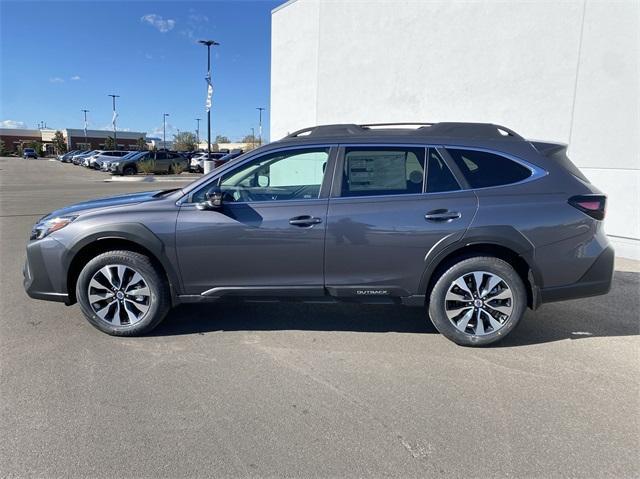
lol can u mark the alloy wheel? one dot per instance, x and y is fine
(119, 295)
(479, 303)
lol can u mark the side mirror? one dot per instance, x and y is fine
(263, 181)
(213, 201)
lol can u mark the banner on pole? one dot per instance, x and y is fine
(209, 95)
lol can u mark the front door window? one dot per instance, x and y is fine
(280, 176)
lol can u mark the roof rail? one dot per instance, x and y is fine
(328, 130)
(472, 130)
(442, 129)
(411, 123)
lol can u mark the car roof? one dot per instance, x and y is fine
(443, 132)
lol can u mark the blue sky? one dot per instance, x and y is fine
(59, 57)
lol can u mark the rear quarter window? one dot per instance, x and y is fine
(483, 169)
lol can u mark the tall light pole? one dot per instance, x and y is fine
(209, 43)
(198, 132)
(260, 109)
(113, 120)
(164, 130)
(253, 137)
(85, 127)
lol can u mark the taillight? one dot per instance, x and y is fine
(592, 205)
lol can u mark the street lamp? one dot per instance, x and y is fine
(198, 132)
(85, 128)
(209, 43)
(164, 130)
(113, 120)
(260, 109)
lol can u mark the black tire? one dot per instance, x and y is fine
(159, 297)
(488, 264)
(129, 170)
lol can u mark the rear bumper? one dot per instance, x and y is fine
(596, 281)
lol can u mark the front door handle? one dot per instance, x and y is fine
(305, 220)
(442, 215)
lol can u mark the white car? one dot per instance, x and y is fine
(96, 161)
(197, 161)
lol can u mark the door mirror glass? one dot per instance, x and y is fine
(263, 181)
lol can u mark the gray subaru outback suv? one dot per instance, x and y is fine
(470, 221)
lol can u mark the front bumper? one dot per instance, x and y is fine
(596, 281)
(43, 271)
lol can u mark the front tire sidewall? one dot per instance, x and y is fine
(159, 297)
(491, 265)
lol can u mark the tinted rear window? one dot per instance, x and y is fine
(483, 169)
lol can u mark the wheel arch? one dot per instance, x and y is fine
(95, 245)
(522, 263)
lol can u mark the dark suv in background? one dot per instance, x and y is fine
(161, 161)
(471, 221)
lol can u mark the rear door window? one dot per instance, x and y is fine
(483, 169)
(374, 171)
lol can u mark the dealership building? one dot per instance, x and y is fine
(75, 139)
(560, 71)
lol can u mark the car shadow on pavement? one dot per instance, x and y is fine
(616, 314)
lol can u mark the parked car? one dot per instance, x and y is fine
(471, 221)
(89, 160)
(79, 158)
(68, 155)
(108, 155)
(162, 162)
(229, 156)
(105, 165)
(29, 153)
(197, 161)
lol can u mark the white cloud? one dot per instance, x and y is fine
(12, 124)
(56, 80)
(195, 25)
(158, 22)
(75, 78)
(157, 132)
(198, 18)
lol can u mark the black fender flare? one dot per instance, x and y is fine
(504, 236)
(134, 232)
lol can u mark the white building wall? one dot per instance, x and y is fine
(565, 71)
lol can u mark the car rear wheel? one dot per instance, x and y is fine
(123, 293)
(129, 170)
(477, 301)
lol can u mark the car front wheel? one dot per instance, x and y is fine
(477, 301)
(123, 293)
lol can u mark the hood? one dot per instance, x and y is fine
(110, 201)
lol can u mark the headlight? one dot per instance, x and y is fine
(114, 163)
(46, 227)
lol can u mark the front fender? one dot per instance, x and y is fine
(128, 231)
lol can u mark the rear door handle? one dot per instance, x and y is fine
(442, 215)
(305, 220)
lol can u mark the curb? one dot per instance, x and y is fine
(150, 179)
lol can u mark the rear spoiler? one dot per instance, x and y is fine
(558, 153)
(548, 148)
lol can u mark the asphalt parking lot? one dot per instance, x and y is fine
(304, 390)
